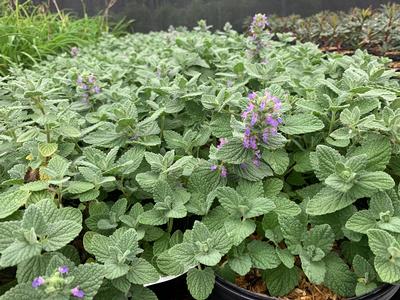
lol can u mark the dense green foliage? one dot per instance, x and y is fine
(28, 34)
(377, 31)
(148, 155)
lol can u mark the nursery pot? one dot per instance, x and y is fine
(225, 290)
(170, 287)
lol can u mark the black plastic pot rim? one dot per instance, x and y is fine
(244, 294)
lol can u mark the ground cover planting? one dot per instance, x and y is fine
(214, 155)
(375, 30)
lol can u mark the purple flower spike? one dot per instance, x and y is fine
(76, 292)
(279, 120)
(213, 167)
(63, 269)
(224, 172)
(253, 142)
(38, 281)
(252, 96)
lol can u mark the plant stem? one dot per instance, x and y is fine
(332, 122)
(170, 225)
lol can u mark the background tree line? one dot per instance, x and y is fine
(159, 14)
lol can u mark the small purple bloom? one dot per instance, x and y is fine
(256, 162)
(222, 142)
(38, 281)
(246, 142)
(271, 121)
(63, 269)
(250, 107)
(213, 167)
(254, 118)
(262, 105)
(76, 292)
(247, 131)
(91, 79)
(243, 166)
(96, 90)
(84, 86)
(224, 172)
(253, 142)
(265, 136)
(79, 80)
(252, 96)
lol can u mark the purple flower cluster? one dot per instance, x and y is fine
(75, 292)
(262, 118)
(74, 51)
(256, 32)
(88, 85)
(258, 25)
(223, 172)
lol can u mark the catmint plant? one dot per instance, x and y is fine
(197, 159)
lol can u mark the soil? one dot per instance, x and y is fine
(305, 291)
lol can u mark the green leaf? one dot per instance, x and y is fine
(278, 160)
(301, 123)
(378, 150)
(200, 283)
(314, 270)
(363, 269)
(282, 280)
(142, 272)
(263, 255)
(233, 152)
(23, 292)
(375, 181)
(361, 221)
(380, 241)
(320, 236)
(47, 149)
(241, 264)
(78, 187)
(388, 270)
(211, 258)
(18, 252)
(328, 201)
(285, 256)
(272, 187)
(11, 201)
(229, 199)
(131, 159)
(61, 233)
(238, 230)
(89, 278)
(339, 278)
(286, 207)
(324, 161)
